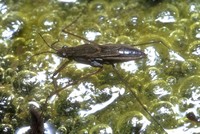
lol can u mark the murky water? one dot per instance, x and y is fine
(166, 81)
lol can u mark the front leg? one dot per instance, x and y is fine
(96, 63)
(57, 71)
(74, 82)
(54, 78)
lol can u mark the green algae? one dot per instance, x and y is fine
(117, 22)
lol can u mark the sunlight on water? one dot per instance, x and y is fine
(91, 36)
(85, 94)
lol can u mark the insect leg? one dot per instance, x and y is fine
(136, 97)
(65, 31)
(50, 46)
(54, 79)
(57, 71)
(74, 21)
(71, 83)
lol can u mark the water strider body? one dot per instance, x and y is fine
(97, 55)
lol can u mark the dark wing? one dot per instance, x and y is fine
(85, 50)
(114, 52)
(78, 51)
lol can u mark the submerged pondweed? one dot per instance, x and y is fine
(165, 81)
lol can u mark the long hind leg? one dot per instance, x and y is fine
(137, 98)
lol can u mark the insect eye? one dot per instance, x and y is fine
(64, 47)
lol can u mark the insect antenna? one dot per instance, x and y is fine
(45, 52)
(137, 98)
